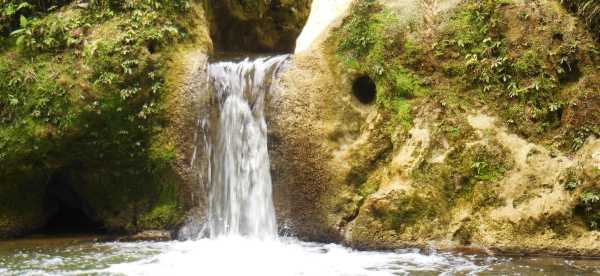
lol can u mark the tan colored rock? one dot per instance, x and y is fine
(591, 163)
(327, 149)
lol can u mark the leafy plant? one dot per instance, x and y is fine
(589, 202)
(571, 181)
(12, 11)
(370, 42)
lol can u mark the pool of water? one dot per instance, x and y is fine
(240, 256)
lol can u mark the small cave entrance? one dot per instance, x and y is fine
(66, 211)
(364, 89)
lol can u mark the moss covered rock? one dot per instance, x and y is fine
(471, 139)
(94, 98)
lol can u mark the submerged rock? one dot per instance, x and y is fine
(151, 235)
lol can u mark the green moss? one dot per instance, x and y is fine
(467, 174)
(528, 65)
(161, 216)
(370, 43)
(527, 84)
(409, 209)
(168, 211)
(403, 116)
(368, 188)
(97, 112)
(22, 204)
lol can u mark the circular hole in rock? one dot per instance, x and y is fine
(364, 89)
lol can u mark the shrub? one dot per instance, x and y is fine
(589, 208)
(49, 35)
(11, 11)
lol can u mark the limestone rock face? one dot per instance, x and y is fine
(340, 174)
(303, 113)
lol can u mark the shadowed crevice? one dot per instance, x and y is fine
(261, 26)
(364, 89)
(67, 212)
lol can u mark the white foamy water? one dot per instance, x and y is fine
(244, 256)
(231, 255)
(240, 201)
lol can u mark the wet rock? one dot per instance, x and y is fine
(151, 235)
(257, 25)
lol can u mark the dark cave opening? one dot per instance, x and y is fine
(364, 89)
(68, 220)
(67, 212)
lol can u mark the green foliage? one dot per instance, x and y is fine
(475, 33)
(370, 43)
(589, 208)
(131, 5)
(528, 65)
(525, 85)
(360, 32)
(467, 173)
(572, 181)
(572, 184)
(12, 12)
(52, 34)
(484, 172)
(100, 104)
(368, 188)
(486, 164)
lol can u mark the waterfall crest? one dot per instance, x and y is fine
(239, 185)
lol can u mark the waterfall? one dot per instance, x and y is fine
(239, 184)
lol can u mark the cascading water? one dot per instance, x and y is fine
(240, 200)
(241, 227)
